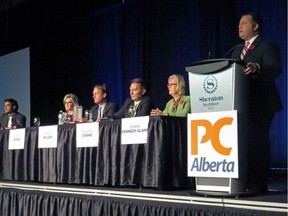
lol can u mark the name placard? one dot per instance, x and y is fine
(47, 136)
(134, 130)
(87, 134)
(16, 139)
(213, 144)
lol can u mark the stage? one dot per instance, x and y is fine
(28, 198)
(114, 179)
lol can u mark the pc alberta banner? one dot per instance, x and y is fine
(213, 144)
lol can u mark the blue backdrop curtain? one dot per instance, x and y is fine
(154, 39)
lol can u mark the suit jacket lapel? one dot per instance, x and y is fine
(252, 47)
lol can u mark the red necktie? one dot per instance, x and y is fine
(244, 50)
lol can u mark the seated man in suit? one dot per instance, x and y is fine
(11, 112)
(138, 104)
(103, 108)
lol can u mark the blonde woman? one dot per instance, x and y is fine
(70, 100)
(180, 104)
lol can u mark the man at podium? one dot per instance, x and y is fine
(263, 65)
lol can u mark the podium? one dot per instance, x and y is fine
(218, 85)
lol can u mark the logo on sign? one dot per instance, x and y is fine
(210, 84)
(212, 134)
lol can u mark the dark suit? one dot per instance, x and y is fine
(143, 109)
(20, 120)
(109, 110)
(264, 102)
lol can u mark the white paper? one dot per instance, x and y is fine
(47, 136)
(134, 130)
(16, 139)
(87, 134)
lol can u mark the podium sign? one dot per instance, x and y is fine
(214, 88)
(211, 93)
(213, 145)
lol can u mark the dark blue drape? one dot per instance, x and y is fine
(154, 39)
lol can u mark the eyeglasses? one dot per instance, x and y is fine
(171, 84)
(69, 102)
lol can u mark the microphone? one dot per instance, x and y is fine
(238, 45)
(132, 110)
(209, 54)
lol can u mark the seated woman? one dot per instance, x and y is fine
(180, 104)
(70, 100)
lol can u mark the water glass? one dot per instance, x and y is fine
(36, 121)
(90, 116)
(86, 115)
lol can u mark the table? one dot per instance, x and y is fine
(160, 163)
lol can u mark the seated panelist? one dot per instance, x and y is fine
(138, 104)
(180, 104)
(103, 108)
(70, 100)
(17, 120)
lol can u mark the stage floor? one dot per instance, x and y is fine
(274, 201)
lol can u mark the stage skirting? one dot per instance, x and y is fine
(45, 200)
(161, 163)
